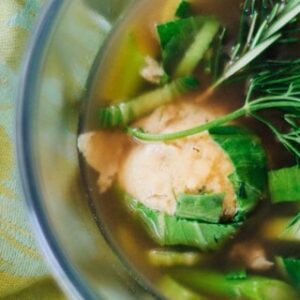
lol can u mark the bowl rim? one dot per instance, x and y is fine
(66, 276)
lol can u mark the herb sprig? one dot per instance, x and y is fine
(275, 84)
(268, 90)
(262, 24)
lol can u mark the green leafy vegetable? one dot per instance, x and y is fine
(202, 207)
(291, 269)
(284, 185)
(266, 91)
(123, 113)
(168, 258)
(237, 275)
(249, 160)
(290, 266)
(184, 9)
(170, 230)
(175, 291)
(197, 49)
(292, 232)
(250, 288)
(184, 43)
(269, 89)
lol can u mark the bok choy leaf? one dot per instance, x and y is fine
(123, 113)
(169, 258)
(184, 9)
(184, 43)
(175, 291)
(291, 269)
(202, 207)
(290, 266)
(249, 160)
(169, 230)
(284, 185)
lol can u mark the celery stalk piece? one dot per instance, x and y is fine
(123, 113)
(284, 185)
(202, 207)
(250, 288)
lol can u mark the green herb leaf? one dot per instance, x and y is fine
(261, 26)
(205, 207)
(247, 58)
(274, 86)
(284, 185)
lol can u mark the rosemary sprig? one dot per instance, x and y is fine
(261, 26)
(277, 87)
(275, 83)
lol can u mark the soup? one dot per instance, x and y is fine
(190, 147)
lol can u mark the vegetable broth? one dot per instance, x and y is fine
(125, 232)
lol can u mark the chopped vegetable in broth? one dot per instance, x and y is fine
(191, 147)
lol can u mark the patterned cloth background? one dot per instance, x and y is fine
(23, 273)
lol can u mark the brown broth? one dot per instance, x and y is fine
(126, 234)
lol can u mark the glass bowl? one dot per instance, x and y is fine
(66, 43)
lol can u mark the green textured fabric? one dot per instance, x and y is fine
(23, 273)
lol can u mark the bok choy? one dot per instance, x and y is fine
(169, 230)
(249, 160)
(250, 288)
(125, 112)
(284, 185)
(290, 266)
(184, 43)
(184, 9)
(202, 207)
